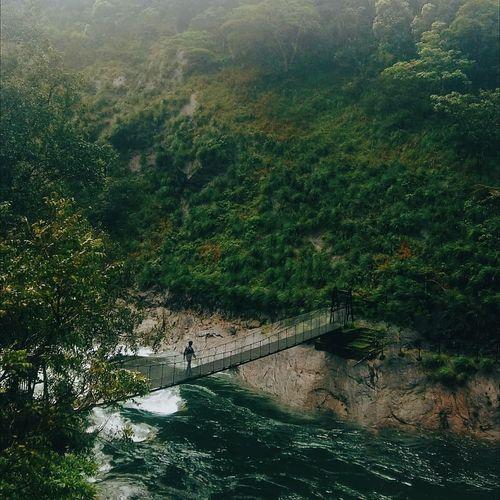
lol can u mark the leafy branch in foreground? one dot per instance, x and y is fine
(61, 319)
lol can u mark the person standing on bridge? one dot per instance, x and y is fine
(188, 356)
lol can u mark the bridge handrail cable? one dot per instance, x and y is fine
(265, 330)
(280, 331)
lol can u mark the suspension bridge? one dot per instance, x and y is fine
(168, 371)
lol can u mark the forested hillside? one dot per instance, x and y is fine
(241, 155)
(344, 142)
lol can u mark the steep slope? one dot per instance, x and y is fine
(270, 150)
(272, 192)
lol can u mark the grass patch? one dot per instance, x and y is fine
(446, 375)
(463, 364)
(355, 343)
(434, 361)
(487, 365)
(455, 370)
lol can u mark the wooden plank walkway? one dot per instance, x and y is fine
(169, 371)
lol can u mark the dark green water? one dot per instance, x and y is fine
(219, 440)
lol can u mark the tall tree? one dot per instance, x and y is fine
(61, 319)
(436, 70)
(474, 121)
(474, 31)
(392, 27)
(347, 37)
(273, 33)
(61, 316)
(45, 146)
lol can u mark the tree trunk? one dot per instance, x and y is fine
(45, 383)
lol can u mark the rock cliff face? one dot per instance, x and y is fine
(379, 393)
(165, 329)
(394, 392)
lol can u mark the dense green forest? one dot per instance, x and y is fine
(237, 155)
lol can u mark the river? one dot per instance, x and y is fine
(216, 439)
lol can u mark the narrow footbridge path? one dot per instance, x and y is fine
(168, 371)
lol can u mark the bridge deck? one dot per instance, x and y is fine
(169, 371)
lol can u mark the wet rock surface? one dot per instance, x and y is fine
(394, 392)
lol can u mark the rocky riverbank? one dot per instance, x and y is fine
(395, 391)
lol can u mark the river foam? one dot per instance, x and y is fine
(111, 424)
(164, 402)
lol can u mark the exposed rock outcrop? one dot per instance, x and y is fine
(395, 392)
(189, 108)
(165, 329)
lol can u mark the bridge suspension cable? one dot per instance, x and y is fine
(168, 371)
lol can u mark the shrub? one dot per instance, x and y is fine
(463, 364)
(447, 376)
(486, 364)
(434, 360)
